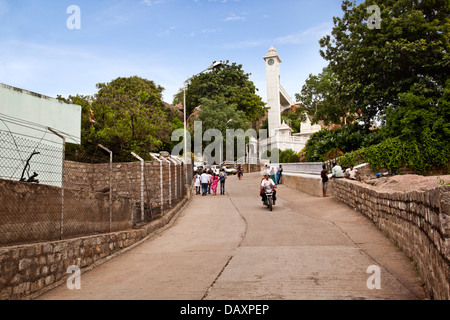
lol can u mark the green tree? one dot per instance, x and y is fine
(289, 156)
(294, 119)
(126, 115)
(226, 82)
(398, 74)
(322, 97)
(375, 66)
(218, 115)
(348, 139)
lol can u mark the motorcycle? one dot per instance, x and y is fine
(268, 191)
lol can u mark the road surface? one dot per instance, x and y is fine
(233, 248)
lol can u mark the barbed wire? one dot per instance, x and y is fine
(51, 192)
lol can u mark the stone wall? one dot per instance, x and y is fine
(252, 168)
(126, 181)
(417, 221)
(126, 178)
(28, 271)
(30, 212)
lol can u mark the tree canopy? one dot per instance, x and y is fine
(397, 74)
(227, 82)
(126, 115)
(369, 69)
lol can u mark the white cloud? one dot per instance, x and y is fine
(153, 2)
(311, 34)
(235, 17)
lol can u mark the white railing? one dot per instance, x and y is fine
(314, 168)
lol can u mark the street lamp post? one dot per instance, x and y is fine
(222, 156)
(215, 64)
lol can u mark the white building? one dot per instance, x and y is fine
(33, 123)
(278, 101)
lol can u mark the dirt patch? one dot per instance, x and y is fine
(409, 182)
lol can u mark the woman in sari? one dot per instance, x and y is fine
(215, 183)
(272, 175)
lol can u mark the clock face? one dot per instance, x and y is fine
(271, 62)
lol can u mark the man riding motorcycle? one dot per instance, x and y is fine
(267, 182)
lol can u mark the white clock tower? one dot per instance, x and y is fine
(273, 90)
(278, 101)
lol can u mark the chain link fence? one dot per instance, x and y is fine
(48, 192)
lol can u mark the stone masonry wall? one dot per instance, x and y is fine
(27, 271)
(30, 268)
(126, 181)
(417, 221)
(30, 213)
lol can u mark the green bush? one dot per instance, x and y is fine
(395, 154)
(289, 156)
(349, 138)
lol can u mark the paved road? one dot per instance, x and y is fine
(231, 247)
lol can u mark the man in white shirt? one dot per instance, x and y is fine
(205, 183)
(337, 172)
(266, 182)
(353, 173)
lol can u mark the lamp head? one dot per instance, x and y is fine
(215, 64)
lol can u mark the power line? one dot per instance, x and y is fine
(35, 126)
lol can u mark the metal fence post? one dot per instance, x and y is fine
(156, 157)
(61, 226)
(180, 184)
(176, 177)
(110, 184)
(142, 185)
(170, 181)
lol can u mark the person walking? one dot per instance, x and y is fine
(198, 183)
(205, 182)
(214, 183)
(223, 179)
(279, 174)
(272, 175)
(210, 174)
(240, 173)
(324, 175)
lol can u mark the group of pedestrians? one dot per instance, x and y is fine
(208, 182)
(338, 172)
(275, 174)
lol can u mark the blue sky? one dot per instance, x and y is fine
(166, 41)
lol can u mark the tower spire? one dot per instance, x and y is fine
(273, 89)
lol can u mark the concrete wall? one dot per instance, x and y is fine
(26, 115)
(42, 110)
(418, 221)
(309, 184)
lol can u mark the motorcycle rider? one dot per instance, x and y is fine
(266, 182)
